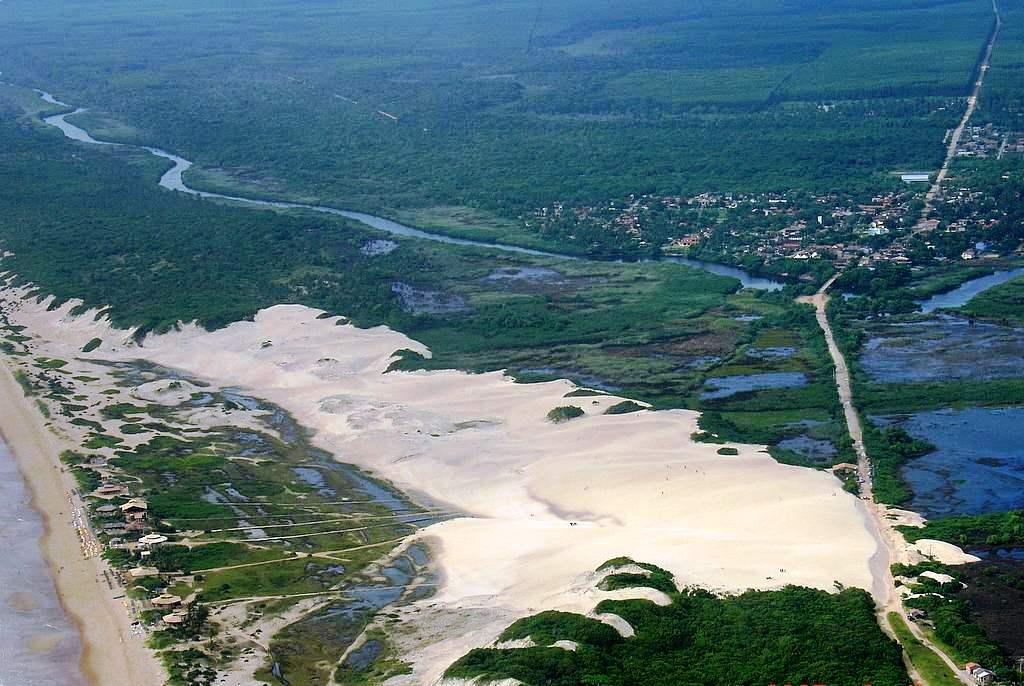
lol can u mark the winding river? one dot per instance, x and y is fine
(173, 180)
(963, 294)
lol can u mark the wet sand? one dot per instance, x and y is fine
(39, 643)
(110, 656)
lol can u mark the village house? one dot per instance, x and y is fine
(979, 675)
(106, 510)
(109, 490)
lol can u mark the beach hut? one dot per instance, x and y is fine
(153, 539)
(166, 600)
(106, 510)
(176, 617)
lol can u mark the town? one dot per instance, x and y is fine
(776, 232)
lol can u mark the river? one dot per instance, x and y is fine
(963, 294)
(173, 180)
(39, 645)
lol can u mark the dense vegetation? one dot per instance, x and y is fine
(1000, 528)
(652, 331)
(890, 449)
(1004, 303)
(790, 636)
(502, 107)
(952, 618)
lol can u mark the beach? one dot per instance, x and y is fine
(39, 644)
(110, 655)
(544, 503)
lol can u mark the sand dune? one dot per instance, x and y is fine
(545, 503)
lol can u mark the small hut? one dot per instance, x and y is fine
(152, 539)
(176, 617)
(166, 600)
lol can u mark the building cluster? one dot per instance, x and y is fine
(989, 141)
(770, 226)
(125, 525)
(839, 228)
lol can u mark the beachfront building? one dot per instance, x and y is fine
(135, 509)
(109, 490)
(151, 540)
(106, 510)
(166, 600)
(176, 617)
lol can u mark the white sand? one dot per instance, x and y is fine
(549, 503)
(939, 551)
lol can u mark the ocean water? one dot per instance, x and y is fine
(39, 645)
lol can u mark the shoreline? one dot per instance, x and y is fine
(45, 541)
(107, 658)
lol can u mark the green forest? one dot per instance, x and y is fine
(795, 635)
(494, 109)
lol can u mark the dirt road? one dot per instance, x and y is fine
(887, 598)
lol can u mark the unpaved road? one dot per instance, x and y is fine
(887, 597)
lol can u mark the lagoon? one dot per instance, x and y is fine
(977, 466)
(963, 294)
